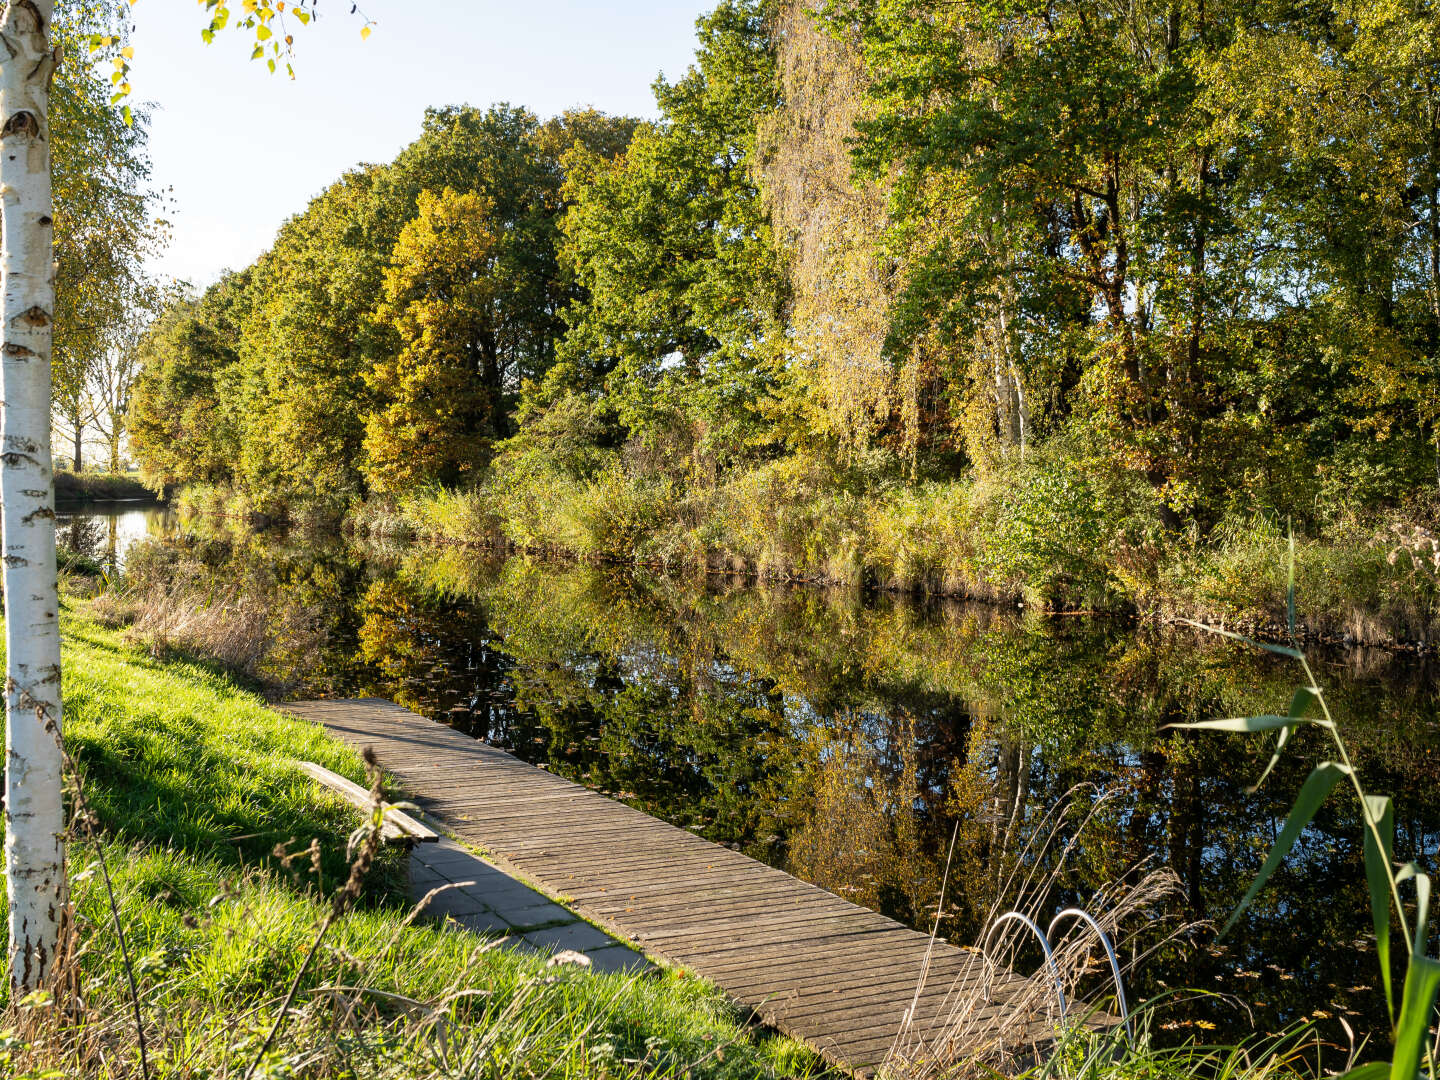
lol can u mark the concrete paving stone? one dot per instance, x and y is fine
(441, 850)
(617, 958)
(579, 936)
(448, 864)
(454, 902)
(532, 916)
(484, 922)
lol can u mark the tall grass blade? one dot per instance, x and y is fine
(1374, 1070)
(1377, 876)
(1284, 737)
(1313, 793)
(1290, 589)
(1304, 697)
(1422, 911)
(1422, 981)
(1244, 724)
(1299, 706)
(1279, 650)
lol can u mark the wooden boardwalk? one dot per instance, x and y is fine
(813, 965)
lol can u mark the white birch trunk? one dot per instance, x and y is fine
(34, 811)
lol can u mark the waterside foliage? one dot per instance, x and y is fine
(1044, 533)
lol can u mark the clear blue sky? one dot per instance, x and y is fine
(243, 149)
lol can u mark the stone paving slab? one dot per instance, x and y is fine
(483, 899)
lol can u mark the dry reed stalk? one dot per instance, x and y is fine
(993, 1019)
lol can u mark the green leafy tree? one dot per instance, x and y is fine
(105, 224)
(181, 418)
(680, 321)
(442, 395)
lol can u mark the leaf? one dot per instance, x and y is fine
(1299, 706)
(1244, 723)
(1303, 699)
(1373, 1070)
(1280, 742)
(1422, 911)
(1377, 876)
(1280, 650)
(1313, 792)
(1422, 980)
(364, 32)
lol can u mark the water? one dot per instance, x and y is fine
(846, 738)
(106, 531)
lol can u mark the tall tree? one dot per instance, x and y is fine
(679, 324)
(105, 224)
(442, 394)
(831, 227)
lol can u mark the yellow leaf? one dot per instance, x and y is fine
(128, 52)
(364, 32)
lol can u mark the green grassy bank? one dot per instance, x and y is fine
(195, 804)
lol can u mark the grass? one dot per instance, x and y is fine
(191, 781)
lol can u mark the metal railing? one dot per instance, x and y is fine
(1047, 945)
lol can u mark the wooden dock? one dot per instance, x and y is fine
(817, 967)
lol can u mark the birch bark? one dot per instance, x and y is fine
(34, 812)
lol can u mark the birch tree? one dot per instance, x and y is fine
(34, 811)
(34, 806)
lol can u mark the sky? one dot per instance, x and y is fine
(239, 150)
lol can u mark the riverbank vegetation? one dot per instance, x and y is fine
(1087, 321)
(224, 859)
(81, 487)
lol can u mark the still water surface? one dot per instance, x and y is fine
(846, 738)
(108, 530)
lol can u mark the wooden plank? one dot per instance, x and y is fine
(396, 824)
(815, 965)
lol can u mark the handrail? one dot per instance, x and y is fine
(1078, 913)
(1044, 944)
(1043, 937)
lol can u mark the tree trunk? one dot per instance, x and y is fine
(79, 445)
(34, 813)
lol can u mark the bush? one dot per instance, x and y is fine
(1045, 535)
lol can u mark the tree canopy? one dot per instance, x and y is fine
(1193, 249)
